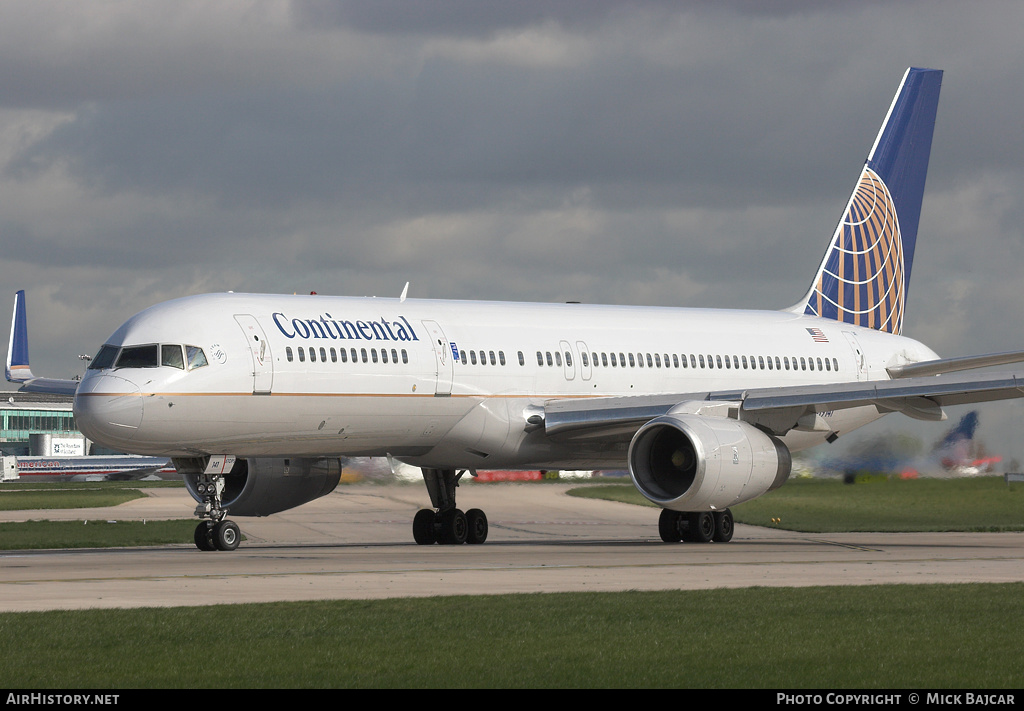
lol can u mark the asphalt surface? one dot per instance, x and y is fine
(357, 543)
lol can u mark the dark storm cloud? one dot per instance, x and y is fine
(641, 152)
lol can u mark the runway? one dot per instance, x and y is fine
(357, 543)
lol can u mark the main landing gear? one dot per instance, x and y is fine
(446, 524)
(695, 527)
(215, 532)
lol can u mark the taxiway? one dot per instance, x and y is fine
(356, 543)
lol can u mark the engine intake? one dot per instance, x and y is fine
(691, 462)
(264, 486)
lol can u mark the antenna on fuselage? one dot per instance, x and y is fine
(405, 291)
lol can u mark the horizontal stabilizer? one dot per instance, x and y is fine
(952, 365)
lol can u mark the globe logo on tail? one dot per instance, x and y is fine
(862, 279)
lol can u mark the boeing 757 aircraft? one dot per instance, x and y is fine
(258, 399)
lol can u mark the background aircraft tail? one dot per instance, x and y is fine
(18, 370)
(864, 275)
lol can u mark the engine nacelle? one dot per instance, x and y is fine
(264, 486)
(687, 462)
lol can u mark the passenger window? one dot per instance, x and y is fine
(405, 356)
(302, 354)
(323, 354)
(138, 357)
(288, 354)
(472, 357)
(501, 357)
(383, 355)
(568, 359)
(105, 358)
(362, 352)
(312, 355)
(540, 358)
(171, 355)
(522, 358)
(490, 354)
(334, 355)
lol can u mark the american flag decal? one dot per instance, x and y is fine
(817, 335)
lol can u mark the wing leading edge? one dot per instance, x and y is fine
(782, 409)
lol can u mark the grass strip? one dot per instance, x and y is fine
(874, 504)
(901, 636)
(29, 535)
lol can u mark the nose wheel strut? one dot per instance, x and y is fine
(214, 531)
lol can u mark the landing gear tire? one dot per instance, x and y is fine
(204, 537)
(702, 527)
(453, 529)
(723, 526)
(423, 527)
(226, 535)
(669, 526)
(476, 521)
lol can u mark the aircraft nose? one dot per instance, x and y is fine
(108, 410)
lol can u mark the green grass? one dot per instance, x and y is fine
(85, 496)
(28, 535)
(874, 504)
(922, 636)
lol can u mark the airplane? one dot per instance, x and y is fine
(86, 468)
(258, 399)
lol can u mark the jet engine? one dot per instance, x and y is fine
(264, 486)
(688, 462)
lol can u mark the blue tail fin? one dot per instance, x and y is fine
(864, 275)
(18, 370)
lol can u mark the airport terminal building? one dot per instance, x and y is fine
(40, 424)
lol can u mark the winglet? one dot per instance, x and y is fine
(18, 370)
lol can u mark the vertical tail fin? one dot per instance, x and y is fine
(864, 275)
(18, 370)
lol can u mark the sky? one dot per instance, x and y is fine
(604, 151)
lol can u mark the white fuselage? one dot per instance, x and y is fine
(445, 383)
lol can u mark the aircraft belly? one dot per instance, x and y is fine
(296, 425)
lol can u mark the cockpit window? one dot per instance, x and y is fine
(105, 358)
(138, 357)
(196, 357)
(171, 355)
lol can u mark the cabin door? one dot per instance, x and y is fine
(259, 349)
(443, 356)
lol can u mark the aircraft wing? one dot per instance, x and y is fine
(18, 369)
(781, 409)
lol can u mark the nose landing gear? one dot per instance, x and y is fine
(215, 532)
